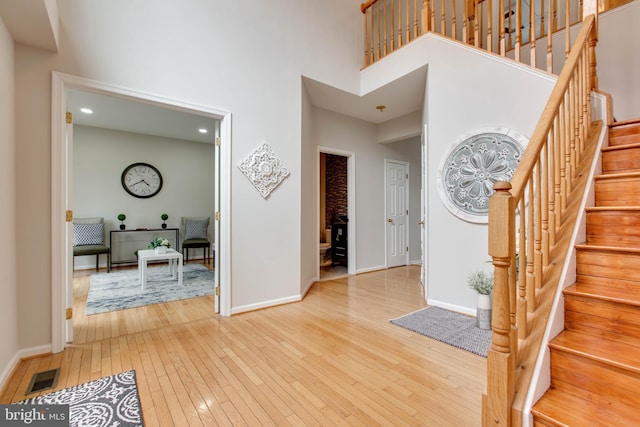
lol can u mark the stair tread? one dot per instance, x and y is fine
(622, 355)
(621, 147)
(613, 208)
(591, 247)
(625, 123)
(569, 410)
(624, 295)
(617, 175)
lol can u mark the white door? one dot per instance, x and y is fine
(397, 212)
(68, 182)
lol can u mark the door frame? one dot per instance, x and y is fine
(386, 213)
(60, 245)
(351, 206)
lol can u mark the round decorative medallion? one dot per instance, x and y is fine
(474, 163)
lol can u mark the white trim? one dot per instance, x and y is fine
(541, 378)
(17, 358)
(370, 269)
(351, 205)
(266, 304)
(452, 307)
(60, 83)
(386, 214)
(309, 284)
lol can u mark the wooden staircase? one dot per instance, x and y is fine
(595, 361)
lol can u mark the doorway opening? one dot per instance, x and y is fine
(62, 194)
(336, 217)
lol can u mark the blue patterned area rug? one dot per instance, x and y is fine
(448, 327)
(109, 401)
(121, 289)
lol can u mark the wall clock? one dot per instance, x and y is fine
(141, 180)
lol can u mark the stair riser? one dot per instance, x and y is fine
(623, 191)
(599, 382)
(618, 131)
(608, 264)
(624, 139)
(624, 160)
(600, 317)
(614, 228)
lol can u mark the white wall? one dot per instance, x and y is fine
(100, 155)
(309, 186)
(618, 56)
(334, 130)
(8, 284)
(214, 53)
(499, 94)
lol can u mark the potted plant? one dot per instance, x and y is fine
(164, 218)
(121, 218)
(482, 283)
(159, 244)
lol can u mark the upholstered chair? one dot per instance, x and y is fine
(195, 235)
(88, 239)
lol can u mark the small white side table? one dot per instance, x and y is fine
(172, 256)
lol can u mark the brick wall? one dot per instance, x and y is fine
(336, 187)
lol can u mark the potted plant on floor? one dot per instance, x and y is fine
(482, 283)
(121, 218)
(164, 218)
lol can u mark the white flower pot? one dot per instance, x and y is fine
(161, 249)
(483, 313)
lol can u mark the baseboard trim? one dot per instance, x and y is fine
(306, 289)
(42, 350)
(265, 304)
(370, 269)
(452, 307)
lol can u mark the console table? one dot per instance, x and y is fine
(124, 243)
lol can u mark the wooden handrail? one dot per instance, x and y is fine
(367, 5)
(391, 24)
(533, 209)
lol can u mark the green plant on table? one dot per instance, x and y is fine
(159, 241)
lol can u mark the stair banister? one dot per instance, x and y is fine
(525, 216)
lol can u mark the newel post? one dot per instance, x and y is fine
(496, 409)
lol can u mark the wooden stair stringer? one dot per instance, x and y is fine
(595, 361)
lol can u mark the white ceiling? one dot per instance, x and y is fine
(112, 112)
(400, 97)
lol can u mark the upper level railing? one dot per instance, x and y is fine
(515, 28)
(533, 216)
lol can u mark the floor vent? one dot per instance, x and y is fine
(43, 381)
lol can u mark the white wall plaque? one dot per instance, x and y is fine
(263, 168)
(473, 164)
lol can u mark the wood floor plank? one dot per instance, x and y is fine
(332, 359)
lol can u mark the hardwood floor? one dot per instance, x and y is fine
(332, 359)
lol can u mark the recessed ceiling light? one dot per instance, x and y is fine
(203, 130)
(87, 110)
